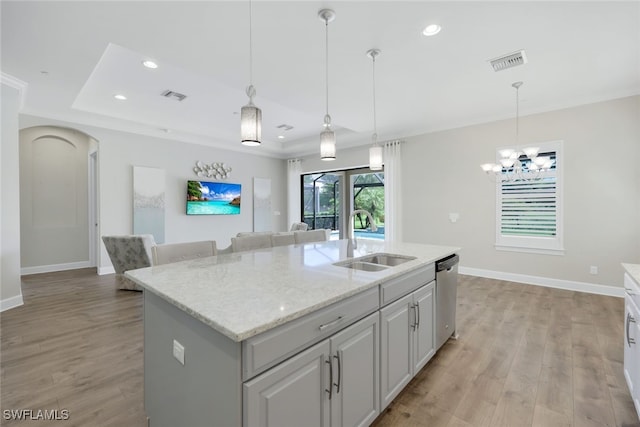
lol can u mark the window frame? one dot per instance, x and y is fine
(536, 244)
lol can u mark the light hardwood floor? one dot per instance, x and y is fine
(527, 356)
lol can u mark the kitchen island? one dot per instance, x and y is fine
(276, 335)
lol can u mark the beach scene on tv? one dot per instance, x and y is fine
(212, 198)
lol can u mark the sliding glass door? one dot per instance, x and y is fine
(328, 198)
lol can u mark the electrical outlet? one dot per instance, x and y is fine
(178, 351)
(593, 270)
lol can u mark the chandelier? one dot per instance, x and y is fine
(518, 164)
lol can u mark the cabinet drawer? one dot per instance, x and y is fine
(397, 288)
(263, 351)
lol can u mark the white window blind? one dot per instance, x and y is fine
(529, 208)
(529, 212)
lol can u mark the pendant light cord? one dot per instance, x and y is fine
(326, 25)
(250, 48)
(517, 115)
(375, 127)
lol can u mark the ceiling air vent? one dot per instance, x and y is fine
(285, 127)
(508, 61)
(173, 95)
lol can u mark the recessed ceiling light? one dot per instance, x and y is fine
(149, 64)
(431, 30)
(280, 136)
(120, 97)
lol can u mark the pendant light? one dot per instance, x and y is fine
(327, 136)
(250, 115)
(375, 152)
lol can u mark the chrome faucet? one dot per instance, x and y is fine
(351, 233)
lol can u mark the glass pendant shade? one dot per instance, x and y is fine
(375, 158)
(327, 144)
(251, 125)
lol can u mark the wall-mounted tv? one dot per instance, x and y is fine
(212, 198)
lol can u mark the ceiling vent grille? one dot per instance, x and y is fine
(508, 61)
(174, 95)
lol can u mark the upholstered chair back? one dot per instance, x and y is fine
(174, 252)
(129, 252)
(311, 236)
(247, 243)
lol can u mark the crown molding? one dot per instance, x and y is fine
(17, 84)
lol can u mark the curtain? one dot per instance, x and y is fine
(393, 191)
(294, 170)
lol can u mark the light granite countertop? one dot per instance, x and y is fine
(243, 294)
(633, 270)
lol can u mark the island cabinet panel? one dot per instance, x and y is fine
(355, 356)
(334, 383)
(207, 389)
(632, 341)
(292, 393)
(424, 332)
(407, 343)
(396, 346)
(393, 289)
(270, 348)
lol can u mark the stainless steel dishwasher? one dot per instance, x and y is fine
(446, 294)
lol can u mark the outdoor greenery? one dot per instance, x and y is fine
(370, 199)
(321, 201)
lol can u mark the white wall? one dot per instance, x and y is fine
(601, 194)
(118, 152)
(10, 291)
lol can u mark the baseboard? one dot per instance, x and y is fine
(54, 267)
(12, 302)
(106, 270)
(570, 285)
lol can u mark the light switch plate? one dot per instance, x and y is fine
(178, 351)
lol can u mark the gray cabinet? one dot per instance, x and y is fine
(632, 340)
(355, 399)
(424, 331)
(334, 383)
(407, 340)
(292, 393)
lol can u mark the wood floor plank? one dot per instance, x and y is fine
(526, 356)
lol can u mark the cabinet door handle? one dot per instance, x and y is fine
(418, 314)
(330, 391)
(337, 356)
(415, 317)
(629, 291)
(327, 325)
(630, 319)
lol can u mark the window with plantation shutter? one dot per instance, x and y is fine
(529, 214)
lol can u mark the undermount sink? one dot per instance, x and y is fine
(390, 260)
(375, 262)
(364, 266)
